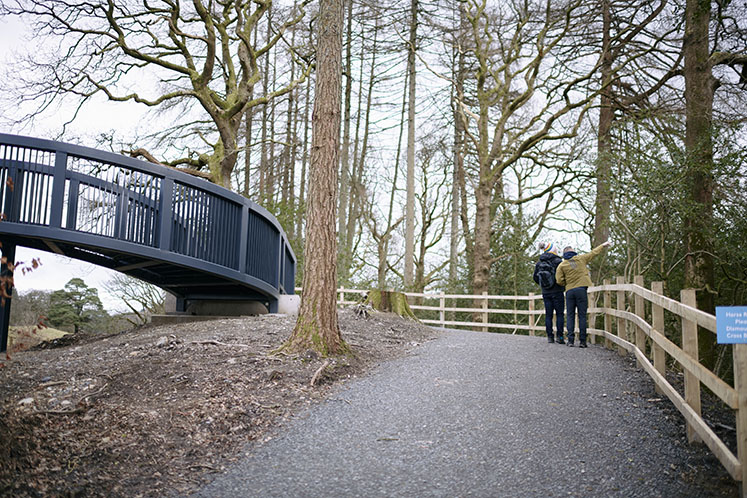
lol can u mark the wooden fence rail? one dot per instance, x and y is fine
(636, 325)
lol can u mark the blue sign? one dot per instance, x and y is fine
(731, 324)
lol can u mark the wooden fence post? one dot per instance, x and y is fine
(640, 310)
(592, 339)
(531, 314)
(739, 354)
(690, 346)
(485, 310)
(441, 311)
(607, 316)
(621, 322)
(657, 319)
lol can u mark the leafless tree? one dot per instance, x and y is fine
(526, 91)
(142, 298)
(198, 60)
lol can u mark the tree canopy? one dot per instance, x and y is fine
(170, 56)
(76, 306)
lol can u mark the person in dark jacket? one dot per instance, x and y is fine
(552, 292)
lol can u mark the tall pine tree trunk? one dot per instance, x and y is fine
(410, 206)
(289, 171)
(345, 152)
(458, 73)
(384, 250)
(317, 326)
(264, 160)
(304, 162)
(346, 260)
(602, 205)
(698, 216)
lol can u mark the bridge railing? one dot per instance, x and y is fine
(633, 321)
(125, 200)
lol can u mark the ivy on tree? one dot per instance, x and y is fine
(74, 306)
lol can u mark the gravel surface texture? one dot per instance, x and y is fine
(476, 414)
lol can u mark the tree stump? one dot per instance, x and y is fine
(391, 301)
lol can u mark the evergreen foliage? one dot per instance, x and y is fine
(75, 306)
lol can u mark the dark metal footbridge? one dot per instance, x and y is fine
(192, 238)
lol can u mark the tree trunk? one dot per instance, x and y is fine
(698, 217)
(382, 271)
(273, 166)
(345, 152)
(304, 162)
(290, 139)
(458, 165)
(249, 115)
(356, 177)
(264, 160)
(248, 138)
(603, 200)
(359, 191)
(390, 301)
(482, 235)
(317, 326)
(382, 247)
(410, 207)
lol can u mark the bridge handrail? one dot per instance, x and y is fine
(628, 314)
(112, 158)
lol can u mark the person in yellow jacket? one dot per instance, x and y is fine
(573, 273)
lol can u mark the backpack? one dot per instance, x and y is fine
(546, 275)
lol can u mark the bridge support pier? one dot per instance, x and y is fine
(222, 307)
(180, 305)
(6, 290)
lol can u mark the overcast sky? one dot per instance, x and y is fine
(55, 271)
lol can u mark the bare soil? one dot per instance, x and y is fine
(156, 410)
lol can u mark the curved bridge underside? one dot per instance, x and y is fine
(184, 234)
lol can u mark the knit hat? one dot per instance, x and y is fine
(549, 247)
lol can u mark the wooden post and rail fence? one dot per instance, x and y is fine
(636, 324)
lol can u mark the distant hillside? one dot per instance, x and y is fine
(20, 338)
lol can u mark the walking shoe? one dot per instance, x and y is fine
(560, 340)
(582, 344)
(570, 344)
(550, 339)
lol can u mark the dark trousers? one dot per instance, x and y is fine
(553, 303)
(577, 300)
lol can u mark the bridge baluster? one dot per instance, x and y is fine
(72, 205)
(58, 189)
(14, 189)
(281, 260)
(167, 214)
(120, 217)
(243, 238)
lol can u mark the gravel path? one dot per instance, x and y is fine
(476, 414)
